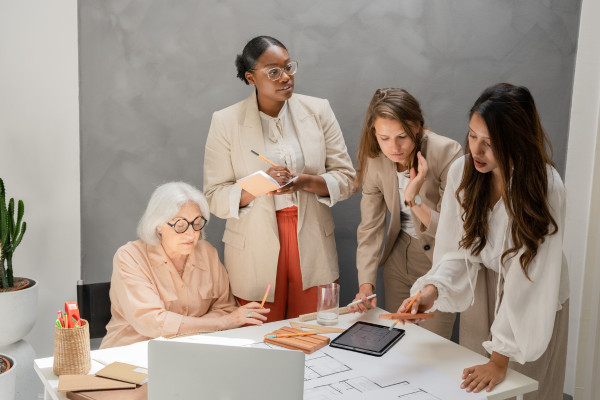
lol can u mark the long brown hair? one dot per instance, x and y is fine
(518, 144)
(397, 105)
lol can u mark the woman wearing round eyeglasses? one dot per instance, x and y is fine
(171, 281)
(286, 237)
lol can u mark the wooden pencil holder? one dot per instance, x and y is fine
(72, 350)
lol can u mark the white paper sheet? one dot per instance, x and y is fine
(336, 374)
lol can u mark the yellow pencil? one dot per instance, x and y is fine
(259, 156)
(265, 298)
(290, 335)
(407, 308)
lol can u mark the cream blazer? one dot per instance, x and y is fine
(251, 236)
(380, 193)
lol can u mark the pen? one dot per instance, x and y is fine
(290, 335)
(58, 324)
(60, 319)
(358, 301)
(407, 308)
(270, 162)
(265, 298)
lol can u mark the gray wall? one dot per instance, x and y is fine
(153, 72)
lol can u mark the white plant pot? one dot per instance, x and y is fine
(8, 380)
(18, 313)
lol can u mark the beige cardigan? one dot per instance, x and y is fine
(380, 193)
(251, 235)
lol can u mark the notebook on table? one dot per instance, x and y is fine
(139, 393)
(124, 372)
(74, 383)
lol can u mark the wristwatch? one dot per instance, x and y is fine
(416, 200)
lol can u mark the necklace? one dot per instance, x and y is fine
(183, 269)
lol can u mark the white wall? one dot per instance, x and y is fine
(39, 148)
(583, 136)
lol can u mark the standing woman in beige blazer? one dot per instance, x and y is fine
(402, 168)
(284, 238)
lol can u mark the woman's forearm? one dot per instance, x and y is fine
(315, 184)
(423, 213)
(246, 198)
(195, 324)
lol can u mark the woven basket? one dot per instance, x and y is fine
(72, 350)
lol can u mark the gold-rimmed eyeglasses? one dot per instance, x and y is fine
(275, 73)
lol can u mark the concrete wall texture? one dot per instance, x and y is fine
(153, 72)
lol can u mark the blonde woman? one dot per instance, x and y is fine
(402, 168)
(285, 238)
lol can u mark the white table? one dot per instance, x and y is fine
(423, 346)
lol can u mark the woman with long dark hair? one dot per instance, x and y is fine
(499, 258)
(402, 168)
(285, 238)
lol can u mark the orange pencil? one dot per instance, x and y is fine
(407, 308)
(265, 298)
(259, 156)
(290, 335)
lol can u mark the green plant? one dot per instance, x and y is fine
(11, 234)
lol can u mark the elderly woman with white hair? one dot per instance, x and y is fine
(171, 280)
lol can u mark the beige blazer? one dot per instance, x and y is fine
(380, 193)
(251, 236)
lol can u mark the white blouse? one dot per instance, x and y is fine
(283, 148)
(524, 321)
(406, 221)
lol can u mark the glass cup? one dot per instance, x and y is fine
(328, 304)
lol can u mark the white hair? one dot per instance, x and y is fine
(164, 205)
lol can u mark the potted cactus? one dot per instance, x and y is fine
(8, 375)
(18, 296)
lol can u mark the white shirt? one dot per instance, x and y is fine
(285, 150)
(524, 322)
(406, 222)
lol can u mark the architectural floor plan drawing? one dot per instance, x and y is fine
(361, 384)
(336, 374)
(318, 364)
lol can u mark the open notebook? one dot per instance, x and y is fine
(259, 183)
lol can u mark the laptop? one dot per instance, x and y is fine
(182, 371)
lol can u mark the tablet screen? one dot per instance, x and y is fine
(370, 337)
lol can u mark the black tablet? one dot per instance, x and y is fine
(371, 339)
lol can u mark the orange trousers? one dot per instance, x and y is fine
(290, 300)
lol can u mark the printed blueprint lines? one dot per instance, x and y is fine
(322, 365)
(361, 384)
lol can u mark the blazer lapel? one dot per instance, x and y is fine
(308, 135)
(391, 178)
(252, 138)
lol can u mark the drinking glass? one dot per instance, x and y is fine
(328, 304)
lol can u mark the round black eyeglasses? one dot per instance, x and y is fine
(182, 225)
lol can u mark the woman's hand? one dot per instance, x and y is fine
(423, 303)
(299, 183)
(478, 377)
(238, 317)
(416, 180)
(280, 173)
(366, 289)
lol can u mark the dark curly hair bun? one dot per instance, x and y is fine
(252, 51)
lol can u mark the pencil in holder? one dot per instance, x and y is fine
(72, 350)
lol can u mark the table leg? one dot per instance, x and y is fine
(520, 397)
(47, 395)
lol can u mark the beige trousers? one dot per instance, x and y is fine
(406, 263)
(548, 370)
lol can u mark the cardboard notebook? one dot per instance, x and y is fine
(139, 393)
(74, 383)
(307, 344)
(124, 372)
(259, 183)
